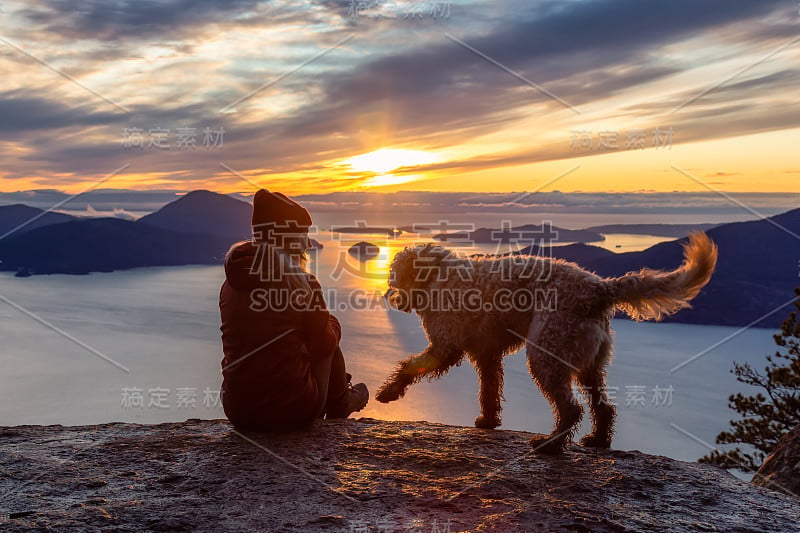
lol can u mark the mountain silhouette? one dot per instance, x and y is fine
(662, 230)
(20, 218)
(106, 244)
(757, 268)
(204, 212)
(576, 253)
(530, 232)
(756, 272)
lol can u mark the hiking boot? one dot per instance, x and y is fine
(356, 399)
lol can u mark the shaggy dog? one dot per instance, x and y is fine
(489, 307)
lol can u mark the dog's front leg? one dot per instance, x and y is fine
(490, 376)
(433, 361)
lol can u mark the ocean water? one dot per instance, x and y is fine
(143, 346)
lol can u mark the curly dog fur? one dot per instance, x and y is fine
(571, 340)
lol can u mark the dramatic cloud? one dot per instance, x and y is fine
(140, 19)
(298, 87)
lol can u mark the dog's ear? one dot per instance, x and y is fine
(402, 270)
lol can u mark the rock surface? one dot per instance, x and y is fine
(781, 470)
(357, 475)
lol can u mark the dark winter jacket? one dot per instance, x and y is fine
(267, 344)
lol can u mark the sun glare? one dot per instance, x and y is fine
(388, 179)
(383, 161)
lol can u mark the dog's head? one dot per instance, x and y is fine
(413, 270)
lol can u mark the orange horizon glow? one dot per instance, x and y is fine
(723, 164)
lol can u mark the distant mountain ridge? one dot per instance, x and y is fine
(661, 230)
(206, 212)
(106, 244)
(752, 285)
(757, 270)
(197, 228)
(20, 218)
(517, 233)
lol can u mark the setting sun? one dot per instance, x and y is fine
(387, 159)
(384, 160)
(383, 180)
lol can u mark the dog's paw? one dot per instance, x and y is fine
(593, 441)
(486, 422)
(389, 392)
(548, 446)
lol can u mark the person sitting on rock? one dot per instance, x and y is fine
(282, 365)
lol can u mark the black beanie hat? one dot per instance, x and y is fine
(273, 210)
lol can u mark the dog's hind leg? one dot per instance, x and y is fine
(490, 376)
(603, 410)
(553, 374)
(433, 361)
(555, 382)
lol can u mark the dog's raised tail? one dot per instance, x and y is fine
(652, 294)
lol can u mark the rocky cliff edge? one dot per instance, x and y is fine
(357, 476)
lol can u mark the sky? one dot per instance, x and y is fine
(318, 97)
